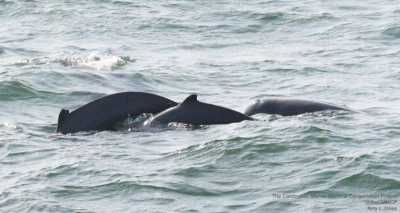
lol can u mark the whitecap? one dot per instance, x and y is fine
(8, 125)
(92, 61)
(95, 61)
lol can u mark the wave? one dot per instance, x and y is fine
(5, 3)
(268, 17)
(21, 90)
(8, 125)
(92, 61)
(251, 15)
(368, 181)
(362, 182)
(16, 90)
(314, 18)
(242, 150)
(133, 187)
(392, 32)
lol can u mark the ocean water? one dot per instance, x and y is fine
(63, 54)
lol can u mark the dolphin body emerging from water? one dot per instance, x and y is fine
(288, 107)
(104, 113)
(191, 111)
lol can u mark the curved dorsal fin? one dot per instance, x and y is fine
(62, 117)
(190, 99)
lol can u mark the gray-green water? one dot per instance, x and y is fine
(56, 54)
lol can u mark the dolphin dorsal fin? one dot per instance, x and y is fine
(62, 117)
(190, 99)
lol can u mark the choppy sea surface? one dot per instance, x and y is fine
(63, 54)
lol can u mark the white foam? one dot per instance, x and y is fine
(8, 125)
(95, 61)
(92, 61)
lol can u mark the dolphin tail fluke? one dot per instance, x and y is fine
(62, 117)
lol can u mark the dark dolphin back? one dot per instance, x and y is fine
(191, 111)
(103, 113)
(288, 107)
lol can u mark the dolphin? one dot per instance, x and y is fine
(288, 107)
(104, 113)
(193, 112)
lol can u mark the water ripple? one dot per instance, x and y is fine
(392, 32)
(63, 54)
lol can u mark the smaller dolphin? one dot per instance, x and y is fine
(104, 113)
(193, 112)
(288, 107)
